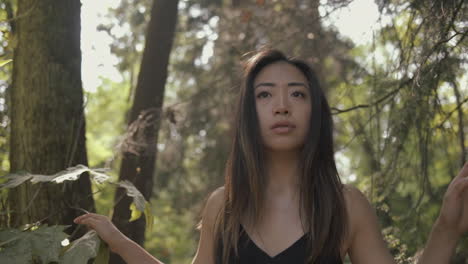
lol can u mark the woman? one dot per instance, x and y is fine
(283, 201)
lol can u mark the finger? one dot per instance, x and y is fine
(86, 216)
(90, 222)
(94, 220)
(80, 218)
(460, 186)
(463, 172)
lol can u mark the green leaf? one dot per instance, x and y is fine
(135, 213)
(8, 236)
(46, 242)
(15, 180)
(139, 205)
(98, 175)
(138, 198)
(14, 248)
(70, 174)
(5, 62)
(82, 249)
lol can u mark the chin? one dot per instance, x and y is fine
(283, 147)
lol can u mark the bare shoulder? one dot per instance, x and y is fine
(213, 206)
(365, 243)
(357, 204)
(205, 253)
(358, 207)
(354, 197)
(215, 201)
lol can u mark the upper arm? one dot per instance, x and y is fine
(205, 251)
(366, 242)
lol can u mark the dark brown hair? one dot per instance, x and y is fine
(323, 212)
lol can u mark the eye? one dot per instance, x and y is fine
(263, 94)
(298, 94)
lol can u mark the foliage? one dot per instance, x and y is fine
(175, 239)
(6, 55)
(400, 117)
(139, 205)
(399, 106)
(38, 243)
(70, 174)
(106, 110)
(396, 117)
(41, 243)
(85, 248)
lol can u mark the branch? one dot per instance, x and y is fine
(451, 112)
(336, 111)
(23, 15)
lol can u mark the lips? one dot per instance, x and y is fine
(282, 127)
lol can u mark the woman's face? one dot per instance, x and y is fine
(283, 103)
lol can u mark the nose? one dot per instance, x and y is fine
(282, 105)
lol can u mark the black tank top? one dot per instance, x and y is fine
(250, 253)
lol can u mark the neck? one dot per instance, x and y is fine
(283, 172)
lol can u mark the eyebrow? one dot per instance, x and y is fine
(272, 84)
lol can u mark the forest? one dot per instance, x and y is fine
(148, 148)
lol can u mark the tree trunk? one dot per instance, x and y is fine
(47, 122)
(139, 153)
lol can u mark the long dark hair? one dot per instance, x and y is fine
(323, 212)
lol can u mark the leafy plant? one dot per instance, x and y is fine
(37, 244)
(44, 244)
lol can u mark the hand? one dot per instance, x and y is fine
(453, 216)
(105, 229)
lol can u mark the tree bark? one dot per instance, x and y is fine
(47, 121)
(139, 151)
